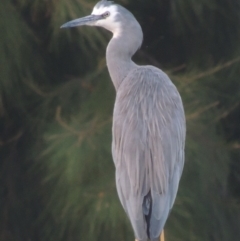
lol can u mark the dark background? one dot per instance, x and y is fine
(56, 99)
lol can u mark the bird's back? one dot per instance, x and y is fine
(148, 148)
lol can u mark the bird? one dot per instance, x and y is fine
(149, 126)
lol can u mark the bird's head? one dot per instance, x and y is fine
(105, 14)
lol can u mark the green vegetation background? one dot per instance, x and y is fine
(56, 100)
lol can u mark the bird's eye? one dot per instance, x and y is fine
(106, 14)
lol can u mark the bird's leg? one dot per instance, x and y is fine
(162, 236)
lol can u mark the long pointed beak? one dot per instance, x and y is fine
(88, 20)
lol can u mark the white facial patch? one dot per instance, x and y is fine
(109, 22)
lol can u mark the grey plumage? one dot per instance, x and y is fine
(148, 125)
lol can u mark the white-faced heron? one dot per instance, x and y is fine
(148, 125)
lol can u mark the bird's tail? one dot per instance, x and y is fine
(147, 210)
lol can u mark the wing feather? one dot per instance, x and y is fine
(148, 147)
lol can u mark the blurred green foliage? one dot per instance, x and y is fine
(56, 101)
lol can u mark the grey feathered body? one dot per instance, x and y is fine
(148, 148)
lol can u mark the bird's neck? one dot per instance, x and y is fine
(120, 50)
